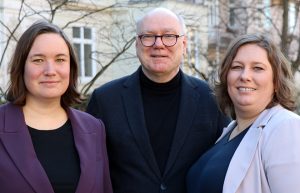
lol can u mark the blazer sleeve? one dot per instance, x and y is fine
(281, 154)
(107, 186)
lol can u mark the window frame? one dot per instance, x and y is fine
(82, 41)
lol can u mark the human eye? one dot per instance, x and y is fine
(236, 67)
(147, 36)
(258, 68)
(169, 36)
(60, 60)
(37, 60)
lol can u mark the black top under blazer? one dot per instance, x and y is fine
(133, 166)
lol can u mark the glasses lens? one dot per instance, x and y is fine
(148, 40)
(169, 40)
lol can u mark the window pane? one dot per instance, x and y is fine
(77, 49)
(87, 33)
(76, 32)
(231, 16)
(87, 60)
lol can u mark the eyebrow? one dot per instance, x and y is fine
(255, 62)
(42, 55)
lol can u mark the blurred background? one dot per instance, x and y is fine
(103, 32)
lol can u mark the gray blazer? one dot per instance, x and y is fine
(268, 158)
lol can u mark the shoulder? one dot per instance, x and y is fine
(4, 106)
(9, 108)
(114, 84)
(283, 125)
(83, 117)
(195, 81)
(111, 86)
(280, 144)
(11, 114)
(86, 123)
(200, 87)
(283, 117)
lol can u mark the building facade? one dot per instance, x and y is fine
(102, 31)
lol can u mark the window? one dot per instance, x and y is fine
(267, 13)
(231, 13)
(83, 42)
(213, 18)
(292, 17)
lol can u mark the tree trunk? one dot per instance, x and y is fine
(285, 27)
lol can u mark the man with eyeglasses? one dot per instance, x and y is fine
(158, 120)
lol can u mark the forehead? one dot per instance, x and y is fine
(160, 22)
(49, 42)
(252, 51)
(49, 37)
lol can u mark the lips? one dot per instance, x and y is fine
(158, 56)
(246, 89)
(49, 82)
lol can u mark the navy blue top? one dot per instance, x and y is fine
(57, 154)
(207, 175)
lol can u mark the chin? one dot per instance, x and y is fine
(158, 69)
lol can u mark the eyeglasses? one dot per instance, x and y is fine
(167, 39)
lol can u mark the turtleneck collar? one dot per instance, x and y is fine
(174, 83)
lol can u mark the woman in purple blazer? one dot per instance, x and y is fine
(45, 145)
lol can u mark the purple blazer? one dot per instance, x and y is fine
(20, 169)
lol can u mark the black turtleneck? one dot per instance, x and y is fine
(161, 107)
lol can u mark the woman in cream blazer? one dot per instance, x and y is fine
(268, 158)
(259, 152)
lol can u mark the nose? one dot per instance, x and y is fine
(49, 69)
(245, 74)
(158, 42)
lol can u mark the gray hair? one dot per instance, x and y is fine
(179, 17)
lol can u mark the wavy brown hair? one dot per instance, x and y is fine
(282, 73)
(17, 90)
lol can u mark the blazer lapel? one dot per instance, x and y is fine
(239, 165)
(17, 141)
(227, 129)
(133, 104)
(189, 102)
(245, 152)
(85, 142)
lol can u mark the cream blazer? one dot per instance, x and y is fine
(268, 158)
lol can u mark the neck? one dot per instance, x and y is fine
(44, 116)
(243, 123)
(160, 77)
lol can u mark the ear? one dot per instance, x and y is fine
(184, 47)
(136, 41)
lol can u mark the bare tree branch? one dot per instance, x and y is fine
(87, 86)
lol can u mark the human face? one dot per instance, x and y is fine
(250, 81)
(47, 68)
(161, 63)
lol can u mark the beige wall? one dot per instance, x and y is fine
(109, 27)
